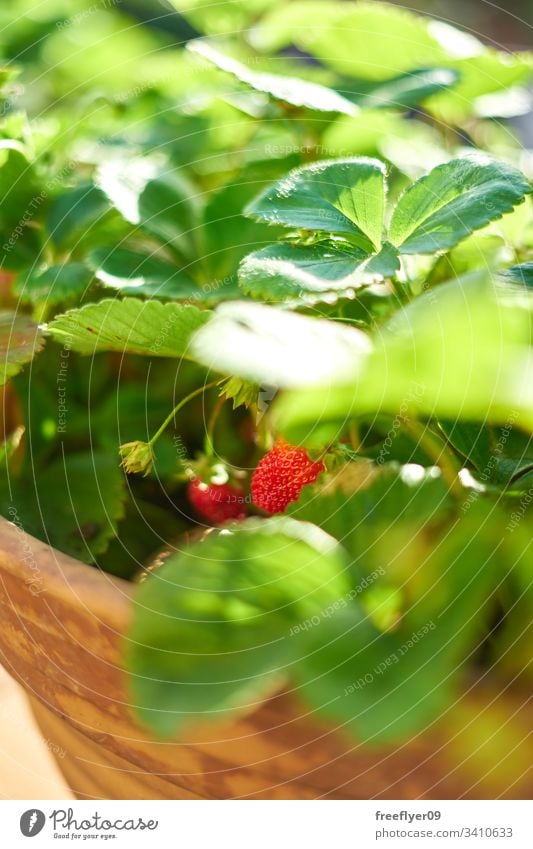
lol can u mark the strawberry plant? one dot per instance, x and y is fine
(270, 314)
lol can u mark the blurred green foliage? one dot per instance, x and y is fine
(322, 200)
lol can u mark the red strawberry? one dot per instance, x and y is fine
(280, 476)
(216, 503)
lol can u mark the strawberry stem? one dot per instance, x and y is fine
(209, 448)
(438, 451)
(178, 407)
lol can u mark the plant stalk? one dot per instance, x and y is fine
(178, 407)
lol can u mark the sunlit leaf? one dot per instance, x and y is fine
(485, 85)
(418, 365)
(519, 275)
(373, 41)
(130, 326)
(344, 196)
(281, 271)
(401, 92)
(270, 346)
(377, 41)
(452, 201)
(298, 92)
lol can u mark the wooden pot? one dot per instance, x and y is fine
(61, 628)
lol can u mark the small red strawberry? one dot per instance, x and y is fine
(216, 503)
(281, 475)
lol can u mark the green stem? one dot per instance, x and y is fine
(209, 442)
(401, 291)
(437, 451)
(263, 432)
(305, 133)
(178, 407)
(355, 439)
(40, 313)
(436, 270)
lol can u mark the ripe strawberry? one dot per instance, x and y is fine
(280, 476)
(216, 503)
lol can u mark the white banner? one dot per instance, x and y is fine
(268, 824)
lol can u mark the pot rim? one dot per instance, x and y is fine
(47, 571)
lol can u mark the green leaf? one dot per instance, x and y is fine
(373, 41)
(485, 80)
(407, 540)
(74, 504)
(499, 455)
(142, 274)
(471, 440)
(385, 263)
(161, 201)
(271, 346)
(54, 284)
(384, 688)
(452, 201)
(20, 194)
(342, 196)
(211, 628)
(401, 92)
(510, 103)
(20, 340)
(282, 271)
(377, 41)
(481, 250)
(520, 276)
(454, 352)
(130, 326)
(514, 286)
(141, 534)
(360, 499)
(73, 212)
(19, 250)
(7, 76)
(293, 90)
(228, 235)
(236, 16)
